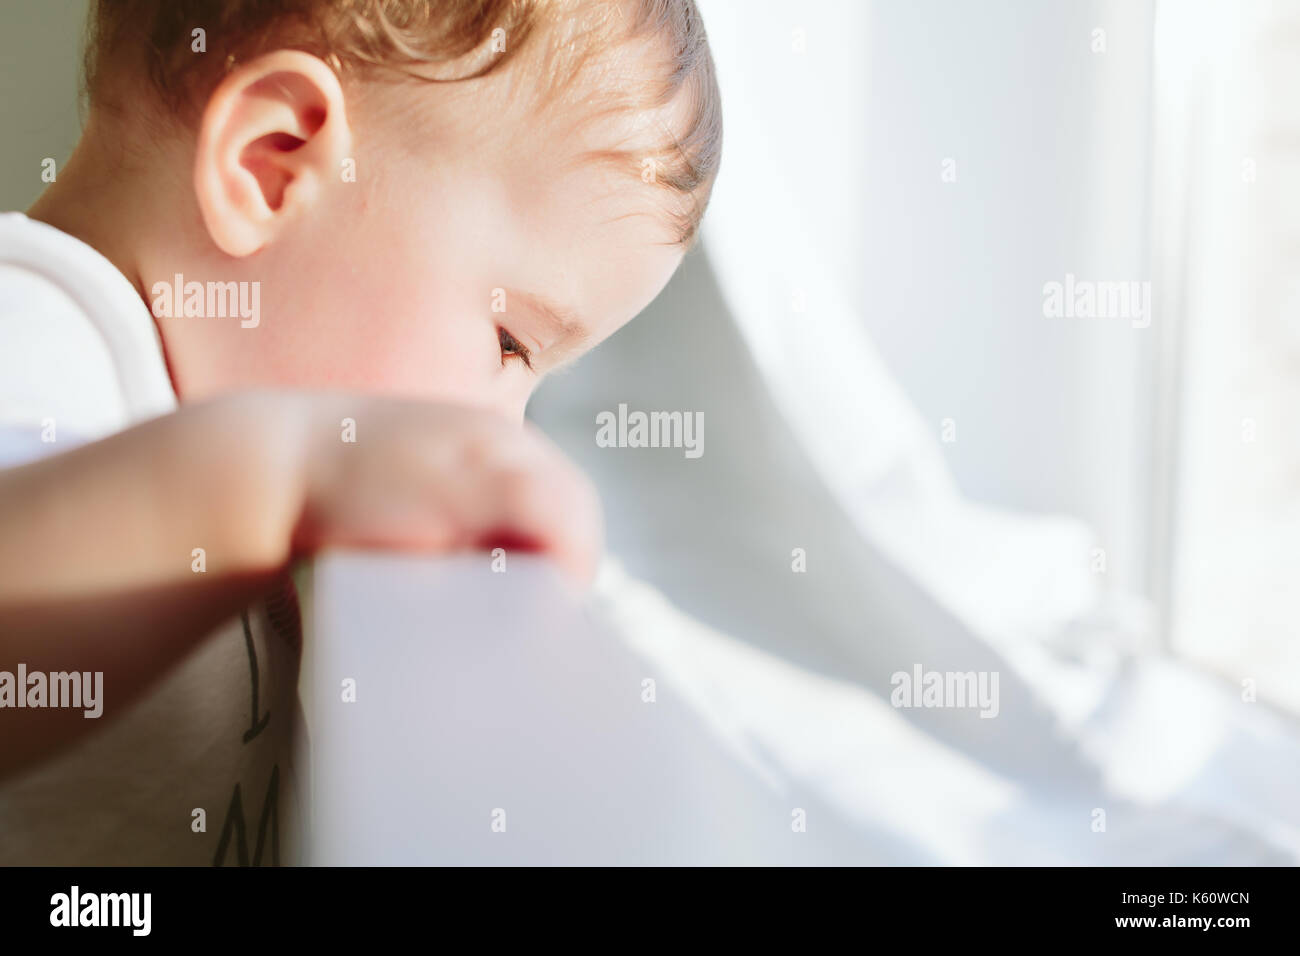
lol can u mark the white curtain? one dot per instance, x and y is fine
(781, 236)
(846, 302)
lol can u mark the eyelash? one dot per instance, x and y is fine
(516, 348)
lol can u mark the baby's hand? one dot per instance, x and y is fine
(413, 475)
(119, 555)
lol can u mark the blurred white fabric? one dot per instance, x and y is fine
(1186, 770)
(1225, 800)
(813, 444)
(491, 721)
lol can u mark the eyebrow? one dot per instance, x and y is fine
(571, 331)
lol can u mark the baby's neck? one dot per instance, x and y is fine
(92, 199)
(96, 199)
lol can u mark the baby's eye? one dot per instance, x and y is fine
(511, 347)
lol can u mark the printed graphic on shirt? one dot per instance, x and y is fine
(284, 618)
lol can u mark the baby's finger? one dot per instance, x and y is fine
(544, 506)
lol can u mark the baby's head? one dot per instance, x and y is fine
(441, 199)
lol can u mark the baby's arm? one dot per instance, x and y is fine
(97, 555)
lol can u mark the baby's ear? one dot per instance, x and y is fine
(273, 134)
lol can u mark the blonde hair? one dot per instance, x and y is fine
(129, 41)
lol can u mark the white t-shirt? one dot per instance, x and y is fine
(223, 731)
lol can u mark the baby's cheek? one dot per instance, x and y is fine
(411, 309)
(432, 357)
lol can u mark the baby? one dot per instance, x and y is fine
(292, 290)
